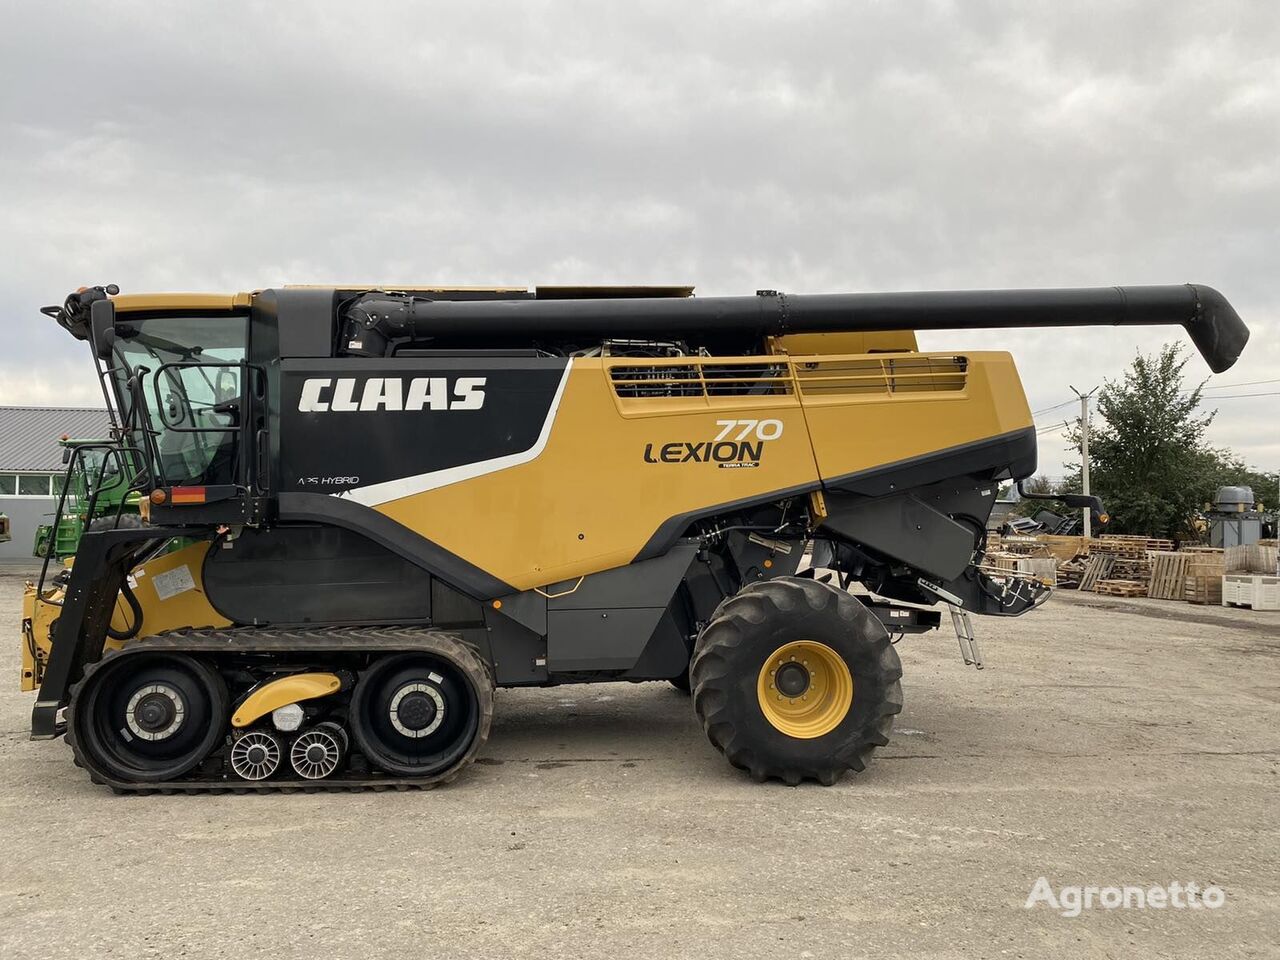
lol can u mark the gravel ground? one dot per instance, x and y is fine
(1107, 743)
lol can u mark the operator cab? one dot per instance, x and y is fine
(190, 373)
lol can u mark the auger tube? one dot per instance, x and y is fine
(1214, 326)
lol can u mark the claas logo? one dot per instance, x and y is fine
(327, 395)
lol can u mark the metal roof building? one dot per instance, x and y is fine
(31, 466)
(29, 435)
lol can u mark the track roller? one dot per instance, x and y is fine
(318, 752)
(256, 755)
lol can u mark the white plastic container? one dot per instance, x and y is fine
(1259, 591)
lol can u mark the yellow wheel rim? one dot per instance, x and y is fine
(805, 689)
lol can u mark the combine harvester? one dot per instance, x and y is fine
(363, 509)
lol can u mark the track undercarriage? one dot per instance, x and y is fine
(413, 709)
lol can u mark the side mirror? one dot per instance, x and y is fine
(102, 328)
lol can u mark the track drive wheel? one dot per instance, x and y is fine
(423, 714)
(146, 718)
(796, 680)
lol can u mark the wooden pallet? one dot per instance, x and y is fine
(1130, 545)
(1205, 590)
(1168, 575)
(1070, 574)
(1121, 588)
(1096, 569)
(1254, 558)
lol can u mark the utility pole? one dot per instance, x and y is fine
(1084, 455)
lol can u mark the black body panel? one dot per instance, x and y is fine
(933, 529)
(321, 508)
(314, 574)
(351, 423)
(1010, 456)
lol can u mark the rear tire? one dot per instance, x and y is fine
(796, 680)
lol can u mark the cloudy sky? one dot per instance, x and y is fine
(804, 146)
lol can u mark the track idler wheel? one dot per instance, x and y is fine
(147, 718)
(423, 714)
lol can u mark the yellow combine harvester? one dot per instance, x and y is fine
(363, 509)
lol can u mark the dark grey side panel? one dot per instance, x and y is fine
(605, 621)
(305, 319)
(905, 528)
(647, 584)
(316, 574)
(435, 559)
(1008, 456)
(591, 640)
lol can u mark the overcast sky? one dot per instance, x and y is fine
(804, 146)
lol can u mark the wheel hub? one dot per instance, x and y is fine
(417, 709)
(792, 679)
(155, 712)
(805, 689)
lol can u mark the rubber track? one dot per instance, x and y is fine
(243, 640)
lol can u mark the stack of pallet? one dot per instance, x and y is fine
(1015, 560)
(1117, 566)
(1071, 572)
(1202, 582)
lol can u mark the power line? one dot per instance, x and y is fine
(1241, 396)
(1036, 413)
(1247, 383)
(1053, 427)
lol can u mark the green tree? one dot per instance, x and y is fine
(1149, 459)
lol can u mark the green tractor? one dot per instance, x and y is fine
(91, 466)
